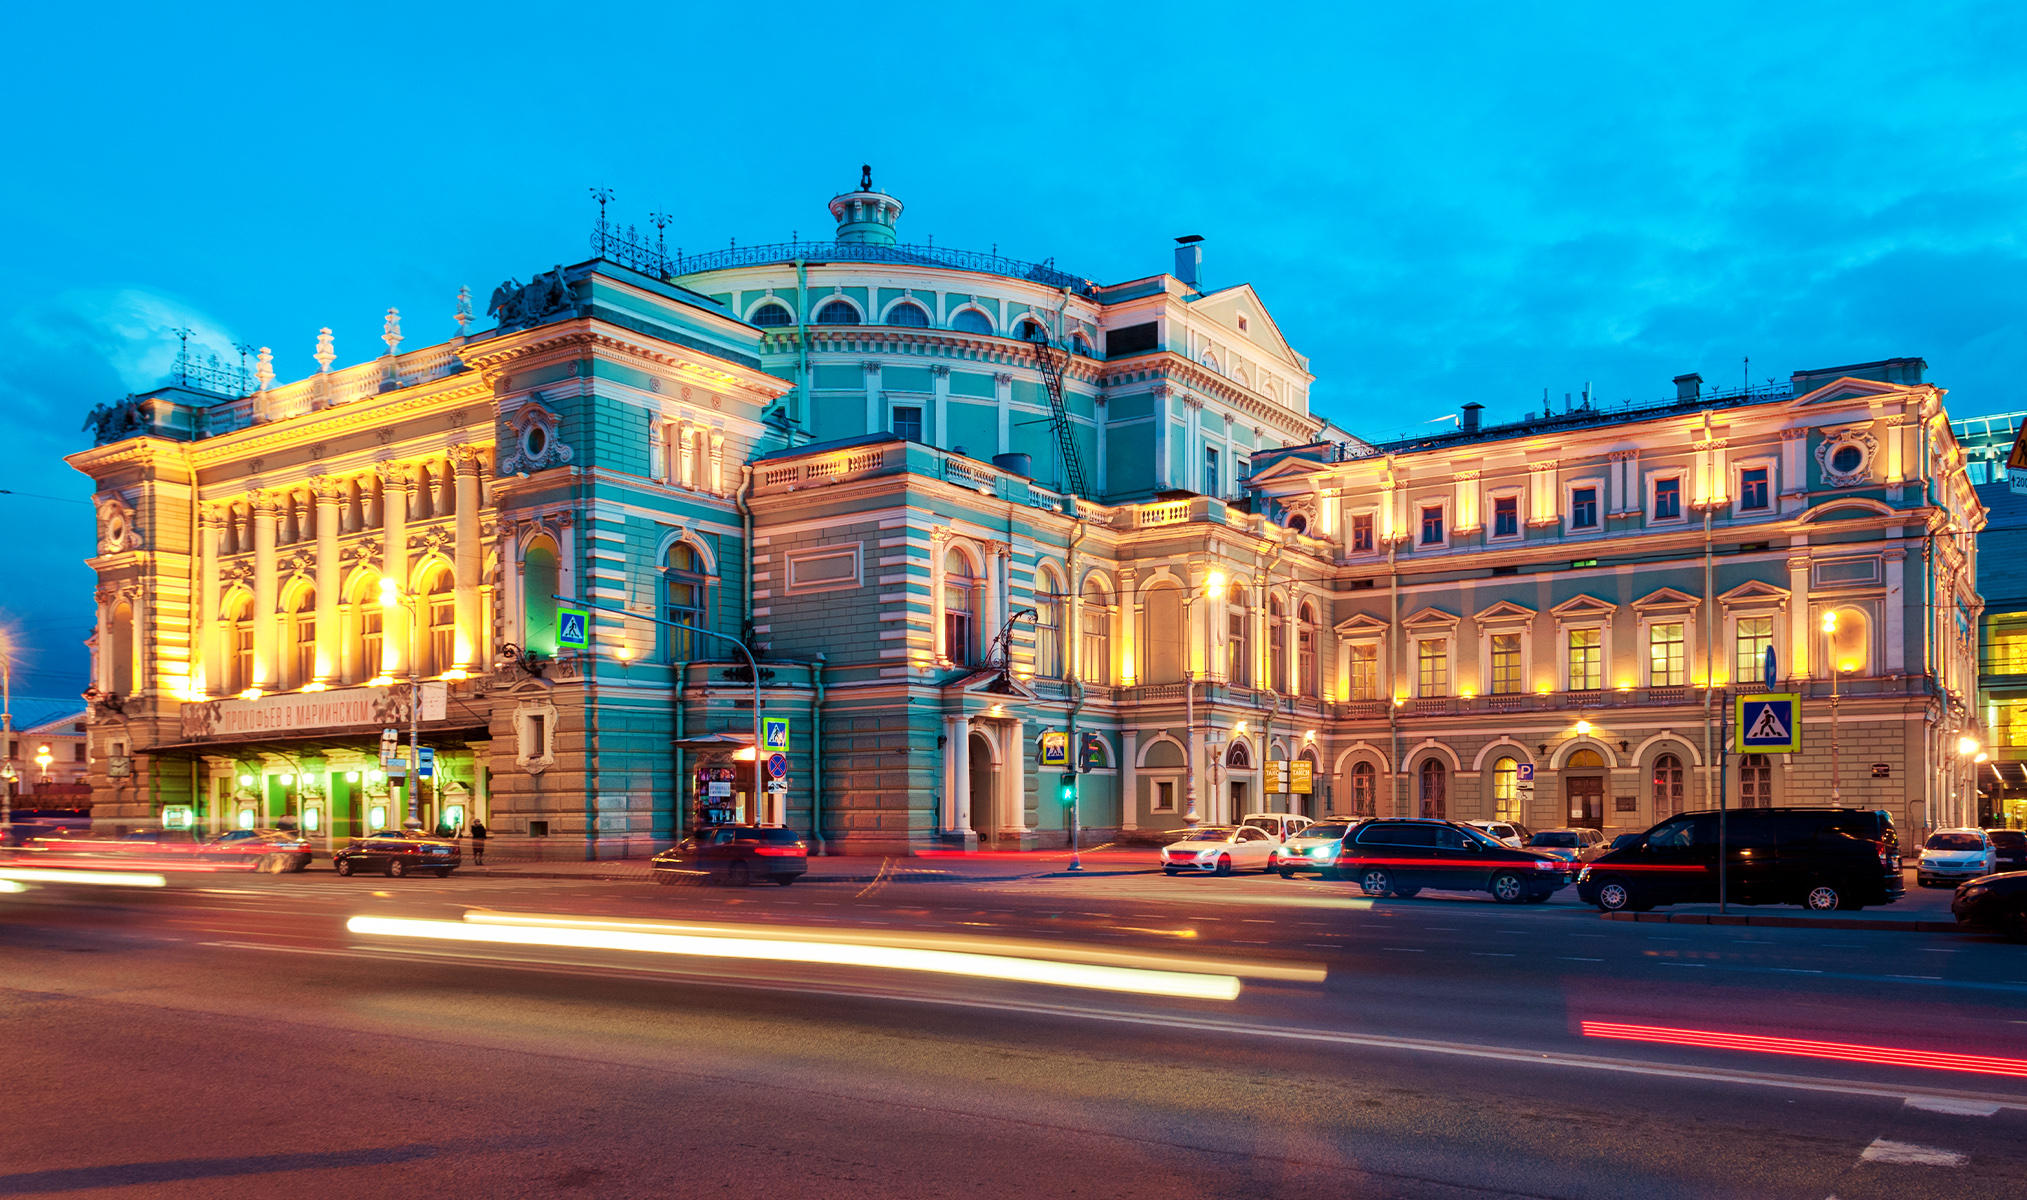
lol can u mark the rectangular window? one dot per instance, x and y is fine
(1361, 534)
(1587, 660)
(1665, 662)
(1238, 651)
(1584, 508)
(1505, 663)
(908, 422)
(1365, 672)
(1506, 516)
(1212, 481)
(1667, 499)
(1432, 663)
(1164, 797)
(1755, 634)
(1432, 525)
(1752, 489)
(1096, 621)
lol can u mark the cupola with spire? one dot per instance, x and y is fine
(866, 216)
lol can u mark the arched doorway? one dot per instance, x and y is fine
(1583, 785)
(1239, 798)
(983, 784)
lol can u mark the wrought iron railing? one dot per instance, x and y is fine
(211, 375)
(630, 248)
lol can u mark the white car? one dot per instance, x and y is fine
(1315, 849)
(1512, 833)
(1279, 826)
(1220, 850)
(1951, 856)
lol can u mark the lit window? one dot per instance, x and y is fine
(1049, 628)
(1587, 665)
(1363, 791)
(1305, 659)
(1755, 635)
(1752, 489)
(1095, 628)
(1365, 672)
(1665, 661)
(1361, 533)
(1584, 508)
(1506, 516)
(1506, 790)
(1505, 663)
(1667, 499)
(1432, 667)
(1238, 647)
(958, 598)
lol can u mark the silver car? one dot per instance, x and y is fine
(1314, 851)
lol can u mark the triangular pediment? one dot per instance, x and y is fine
(1666, 597)
(1584, 606)
(1753, 591)
(1847, 388)
(1429, 618)
(1505, 610)
(1225, 305)
(1360, 625)
(990, 681)
(1293, 464)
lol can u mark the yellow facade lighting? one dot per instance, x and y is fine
(1967, 745)
(1583, 728)
(1214, 584)
(1830, 621)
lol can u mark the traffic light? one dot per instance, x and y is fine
(1068, 791)
(1091, 752)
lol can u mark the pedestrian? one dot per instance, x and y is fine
(478, 842)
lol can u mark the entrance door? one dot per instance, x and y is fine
(982, 782)
(1587, 802)
(1238, 801)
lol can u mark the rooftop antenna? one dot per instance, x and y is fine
(1747, 372)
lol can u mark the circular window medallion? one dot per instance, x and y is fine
(535, 441)
(1846, 459)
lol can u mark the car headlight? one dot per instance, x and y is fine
(1320, 852)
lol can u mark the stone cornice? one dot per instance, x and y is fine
(325, 423)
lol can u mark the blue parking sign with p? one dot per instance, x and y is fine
(1769, 723)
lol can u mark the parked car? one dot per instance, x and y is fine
(1994, 902)
(1513, 833)
(1314, 850)
(1279, 826)
(1951, 856)
(270, 850)
(1220, 849)
(1569, 845)
(398, 852)
(735, 854)
(2011, 846)
(1820, 858)
(1400, 856)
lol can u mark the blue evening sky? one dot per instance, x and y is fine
(1440, 202)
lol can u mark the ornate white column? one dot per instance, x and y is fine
(395, 480)
(208, 631)
(716, 480)
(330, 494)
(1129, 785)
(266, 670)
(1801, 622)
(960, 773)
(1014, 801)
(468, 556)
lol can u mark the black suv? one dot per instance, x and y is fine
(1995, 902)
(735, 854)
(1820, 858)
(1401, 856)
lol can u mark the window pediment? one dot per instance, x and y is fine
(1666, 598)
(1432, 619)
(1362, 625)
(1578, 608)
(1754, 593)
(1504, 612)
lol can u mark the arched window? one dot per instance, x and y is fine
(1238, 757)
(1163, 636)
(960, 610)
(1584, 760)
(121, 627)
(971, 320)
(539, 581)
(439, 603)
(913, 316)
(1667, 786)
(1048, 626)
(303, 634)
(1364, 789)
(684, 595)
(1211, 361)
(1095, 626)
(1305, 635)
(1078, 345)
(239, 643)
(1238, 647)
(1030, 331)
(1849, 645)
(1506, 790)
(1755, 781)
(770, 315)
(368, 621)
(837, 312)
(1435, 783)
(1277, 645)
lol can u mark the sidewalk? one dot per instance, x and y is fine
(984, 866)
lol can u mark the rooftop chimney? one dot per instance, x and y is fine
(1469, 423)
(1189, 260)
(1688, 387)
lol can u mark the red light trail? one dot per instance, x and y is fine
(1934, 1060)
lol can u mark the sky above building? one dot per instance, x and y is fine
(1440, 203)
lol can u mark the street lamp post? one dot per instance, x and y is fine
(1214, 588)
(7, 773)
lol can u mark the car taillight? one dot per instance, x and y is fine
(778, 851)
(1885, 857)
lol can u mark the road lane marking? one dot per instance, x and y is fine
(1241, 1028)
(1404, 949)
(1884, 1151)
(1568, 958)
(1489, 954)
(1958, 1108)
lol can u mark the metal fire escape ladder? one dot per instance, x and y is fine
(1052, 380)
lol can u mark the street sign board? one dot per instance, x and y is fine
(718, 788)
(1526, 773)
(573, 628)
(178, 816)
(777, 765)
(427, 769)
(1301, 776)
(774, 734)
(1769, 723)
(1055, 748)
(777, 786)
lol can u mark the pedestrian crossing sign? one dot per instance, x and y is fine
(573, 628)
(1769, 723)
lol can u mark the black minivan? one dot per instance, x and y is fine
(1820, 858)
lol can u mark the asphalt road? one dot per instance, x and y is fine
(229, 1037)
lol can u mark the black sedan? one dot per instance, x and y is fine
(398, 853)
(1994, 902)
(2010, 846)
(269, 850)
(735, 854)
(1401, 856)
